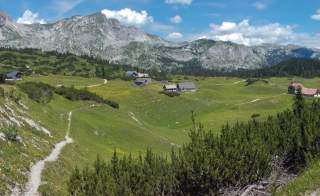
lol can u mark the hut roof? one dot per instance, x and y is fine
(187, 85)
(13, 74)
(297, 85)
(170, 86)
(309, 91)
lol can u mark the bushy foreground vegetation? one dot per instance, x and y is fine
(43, 93)
(242, 154)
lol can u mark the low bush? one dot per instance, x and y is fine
(253, 116)
(170, 94)
(2, 92)
(11, 133)
(74, 94)
(43, 93)
(13, 95)
(38, 91)
(2, 78)
(251, 81)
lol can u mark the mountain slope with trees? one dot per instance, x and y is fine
(307, 68)
(33, 61)
(292, 67)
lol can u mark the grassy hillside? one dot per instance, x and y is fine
(145, 118)
(16, 158)
(307, 182)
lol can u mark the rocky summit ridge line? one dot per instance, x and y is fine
(97, 36)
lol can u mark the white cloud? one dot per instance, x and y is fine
(247, 34)
(176, 19)
(316, 16)
(139, 19)
(260, 5)
(30, 18)
(244, 33)
(129, 17)
(181, 2)
(225, 26)
(175, 35)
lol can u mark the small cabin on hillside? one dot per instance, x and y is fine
(131, 74)
(294, 88)
(186, 86)
(14, 75)
(143, 75)
(180, 87)
(170, 88)
(135, 74)
(142, 81)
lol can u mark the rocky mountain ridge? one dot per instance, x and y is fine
(97, 36)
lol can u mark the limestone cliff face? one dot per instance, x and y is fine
(97, 36)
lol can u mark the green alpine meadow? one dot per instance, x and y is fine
(146, 121)
(159, 98)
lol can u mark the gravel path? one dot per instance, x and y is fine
(105, 81)
(35, 175)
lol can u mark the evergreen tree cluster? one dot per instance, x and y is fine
(307, 68)
(43, 93)
(74, 94)
(291, 67)
(242, 154)
(37, 91)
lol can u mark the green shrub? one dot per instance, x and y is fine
(2, 78)
(11, 133)
(13, 95)
(38, 91)
(253, 116)
(2, 92)
(171, 94)
(74, 94)
(251, 81)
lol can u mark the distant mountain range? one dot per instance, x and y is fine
(97, 36)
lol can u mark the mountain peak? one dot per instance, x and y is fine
(98, 36)
(4, 18)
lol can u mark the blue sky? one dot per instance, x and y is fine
(249, 22)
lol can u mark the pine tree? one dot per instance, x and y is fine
(298, 106)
